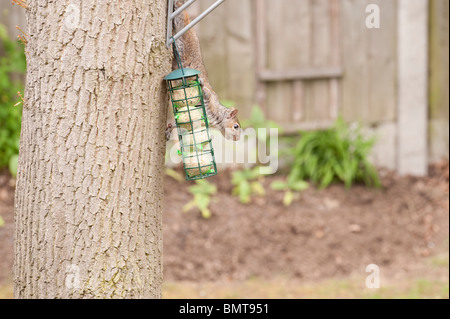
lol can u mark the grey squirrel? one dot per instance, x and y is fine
(220, 117)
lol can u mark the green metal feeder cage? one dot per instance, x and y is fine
(192, 123)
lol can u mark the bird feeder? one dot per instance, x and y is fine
(191, 120)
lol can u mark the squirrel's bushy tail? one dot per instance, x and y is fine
(179, 21)
(188, 45)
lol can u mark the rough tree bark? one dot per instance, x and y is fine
(88, 199)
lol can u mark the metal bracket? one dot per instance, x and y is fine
(172, 15)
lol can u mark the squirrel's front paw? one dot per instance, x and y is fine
(169, 129)
(201, 82)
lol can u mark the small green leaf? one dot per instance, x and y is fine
(258, 189)
(189, 206)
(13, 165)
(244, 192)
(202, 191)
(254, 173)
(202, 201)
(299, 186)
(288, 198)
(2, 221)
(327, 179)
(206, 213)
(279, 186)
(236, 178)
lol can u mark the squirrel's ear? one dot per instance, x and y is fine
(233, 113)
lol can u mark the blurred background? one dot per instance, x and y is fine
(359, 91)
(306, 62)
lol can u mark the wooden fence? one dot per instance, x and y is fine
(308, 61)
(304, 61)
(439, 80)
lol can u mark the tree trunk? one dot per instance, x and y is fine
(89, 191)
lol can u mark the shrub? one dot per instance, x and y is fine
(338, 154)
(12, 65)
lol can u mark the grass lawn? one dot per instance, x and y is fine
(433, 282)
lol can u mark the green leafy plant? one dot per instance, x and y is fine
(258, 120)
(338, 154)
(246, 184)
(263, 129)
(291, 188)
(12, 65)
(202, 192)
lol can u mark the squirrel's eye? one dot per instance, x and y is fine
(236, 126)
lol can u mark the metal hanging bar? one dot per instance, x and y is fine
(180, 9)
(172, 15)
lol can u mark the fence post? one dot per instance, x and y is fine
(413, 87)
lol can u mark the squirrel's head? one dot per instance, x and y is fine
(232, 126)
